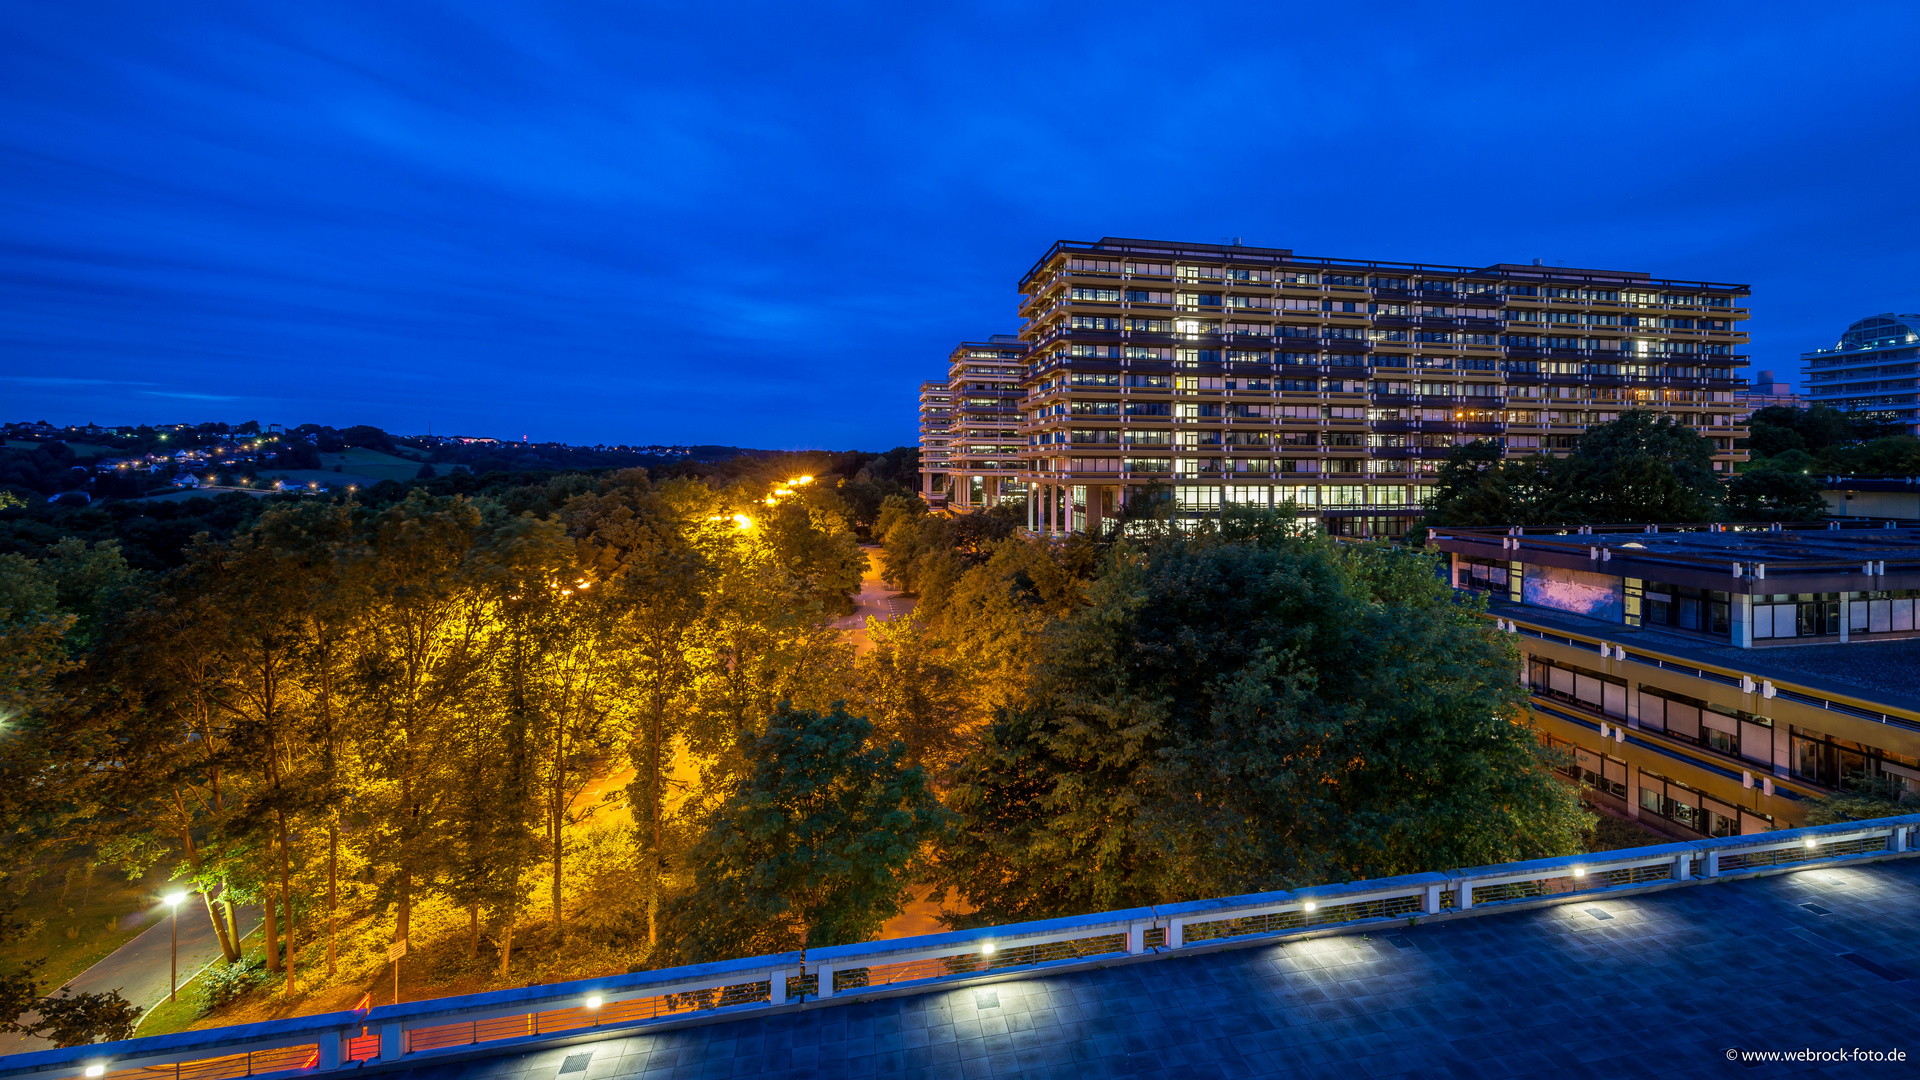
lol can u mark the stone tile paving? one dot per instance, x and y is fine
(1663, 987)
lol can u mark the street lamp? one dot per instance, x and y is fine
(173, 970)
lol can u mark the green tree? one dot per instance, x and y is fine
(1478, 486)
(1643, 467)
(1863, 798)
(812, 849)
(915, 695)
(1772, 495)
(1224, 717)
(422, 656)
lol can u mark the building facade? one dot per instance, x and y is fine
(1762, 393)
(1871, 370)
(1709, 680)
(1240, 375)
(984, 441)
(936, 419)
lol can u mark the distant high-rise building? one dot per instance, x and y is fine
(1871, 370)
(982, 441)
(1225, 375)
(936, 417)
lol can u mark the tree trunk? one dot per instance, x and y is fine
(333, 891)
(233, 920)
(506, 945)
(557, 816)
(273, 933)
(658, 859)
(229, 943)
(286, 895)
(473, 931)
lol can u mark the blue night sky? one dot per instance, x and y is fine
(625, 222)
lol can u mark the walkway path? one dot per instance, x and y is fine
(876, 599)
(139, 969)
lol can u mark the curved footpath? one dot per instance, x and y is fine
(139, 969)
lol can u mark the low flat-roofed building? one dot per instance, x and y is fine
(1711, 678)
(1873, 496)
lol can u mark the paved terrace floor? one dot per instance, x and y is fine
(1655, 985)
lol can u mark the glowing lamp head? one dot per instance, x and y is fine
(1310, 905)
(1812, 843)
(593, 1002)
(173, 899)
(1579, 871)
(96, 1070)
(987, 949)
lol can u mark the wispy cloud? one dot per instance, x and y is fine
(188, 397)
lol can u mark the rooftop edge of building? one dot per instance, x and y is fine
(1249, 253)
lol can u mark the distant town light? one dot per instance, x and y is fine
(743, 522)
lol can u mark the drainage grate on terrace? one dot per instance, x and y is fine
(1598, 914)
(575, 1063)
(1816, 909)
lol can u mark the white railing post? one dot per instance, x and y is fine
(1136, 939)
(1176, 933)
(391, 1041)
(1683, 867)
(330, 1050)
(1464, 894)
(825, 989)
(1430, 901)
(1713, 863)
(777, 988)
(1898, 841)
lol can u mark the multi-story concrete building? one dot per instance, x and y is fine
(936, 422)
(1871, 370)
(1241, 375)
(1710, 680)
(984, 441)
(1762, 393)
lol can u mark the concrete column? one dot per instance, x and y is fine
(1682, 867)
(826, 982)
(1742, 621)
(1137, 939)
(330, 1050)
(1713, 864)
(777, 990)
(1454, 568)
(1846, 617)
(1633, 791)
(1176, 933)
(1430, 903)
(1465, 899)
(392, 1041)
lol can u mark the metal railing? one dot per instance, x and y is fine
(511, 1020)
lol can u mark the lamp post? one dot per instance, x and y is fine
(173, 968)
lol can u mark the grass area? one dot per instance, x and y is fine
(80, 449)
(74, 921)
(361, 461)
